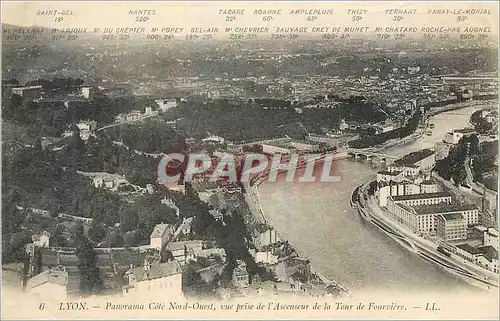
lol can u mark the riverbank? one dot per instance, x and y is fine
(426, 248)
(252, 196)
(420, 132)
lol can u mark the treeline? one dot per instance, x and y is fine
(153, 136)
(260, 120)
(50, 117)
(481, 125)
(482, 162)
(483, 165)
(402, 132)
(453, 167)
(47, 180)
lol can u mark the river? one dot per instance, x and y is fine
(318, 221)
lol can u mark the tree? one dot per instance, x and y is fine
(97, 231)
(91, 282)
(128, 220)
(459, 176)
(56, 236)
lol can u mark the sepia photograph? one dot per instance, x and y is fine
(249, 160)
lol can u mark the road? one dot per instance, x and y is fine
(127, 122)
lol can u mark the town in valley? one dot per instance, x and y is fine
(85, 124)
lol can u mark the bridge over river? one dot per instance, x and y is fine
(371, 154)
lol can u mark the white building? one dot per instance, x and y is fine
(161, 235)
(484, 256)
(392, 188)
(422, 218)
(29, 92)
(423, 199)
(451, 226)
(87, 92)
(429, 186)
(162, 279)
(266, 257)
(55, 284)
(86, 128)
(386, 176)
(491, 237)
(107, 180)
(184, 251)
(455, 136)
(166, 104)
(214, 139)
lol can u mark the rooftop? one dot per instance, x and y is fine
(469, 249)
(452, 216)
(50, 276)
(159, 230)
(464, 130)
(481, 228)
(394, 173)
(492, 231)
(421, 196)
(28, 87)
(175, 246)
(430, 181)
(71, 281)
(489, 252)
(414, 157)
(157, 271)
(443, 208)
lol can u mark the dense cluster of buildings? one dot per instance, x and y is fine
(414, 199)
(154, 268)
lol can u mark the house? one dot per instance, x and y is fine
(164, 279)
(28, 93)
(165, 104)
(484, 256)
(41, 240)
(491, 237)
(86, 128)
(240, 275)
(267, 257)
(386, 176)
(429, 186)
(455, 136)
(57, 284)
(186, 226)
(87, 92)
(213, 139)
(211, 253)
(184, 251)
(105, 180)
(217, 214)
(161, 235)
(489, 258)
